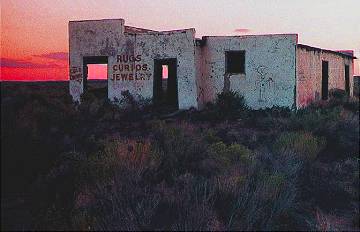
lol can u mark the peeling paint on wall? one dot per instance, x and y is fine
(276, 72)
(269, 65)
(99, 37)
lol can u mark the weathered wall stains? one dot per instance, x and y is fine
(90, 38)
(131, 57)
(278, 71)
(309, 73)
(139, 72)
(269, 77)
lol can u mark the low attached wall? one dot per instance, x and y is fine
(309, 73)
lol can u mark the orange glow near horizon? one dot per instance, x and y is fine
(28, 74)
(34, 34)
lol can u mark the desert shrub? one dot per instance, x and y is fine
(91, 181)
(174, 152)
(177, 177)
(211, 137)
(113, 156)
(275, 117)
(323, 222)
(275, 111)
(342, 136)
(352, 104)
(193, 198)
(230, 104)
(95, 108)
(313, 118)
(230, 154)
(128, 205)
(130, 103)
(116, 199)
(302, 143)
(338, 94)
(91, 105)
(332, 186)
(267, 193)
(339, 98)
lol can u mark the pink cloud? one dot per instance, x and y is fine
(16, 63)
(242, 30)
(55, 55)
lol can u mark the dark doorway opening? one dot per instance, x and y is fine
(165, 83)
(347, 80)
(325, 80)
(94, 75)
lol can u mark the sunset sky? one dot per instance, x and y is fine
(34, 34)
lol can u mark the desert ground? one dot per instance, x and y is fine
(95, 166)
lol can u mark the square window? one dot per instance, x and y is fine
(235, 62)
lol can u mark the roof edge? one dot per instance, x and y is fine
(307, 47)
(252, 35)
(89, 20)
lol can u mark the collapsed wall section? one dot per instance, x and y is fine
(267, 78)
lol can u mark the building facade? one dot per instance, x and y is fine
(268, 70)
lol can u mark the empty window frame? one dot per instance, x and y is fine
(325, 80)
(235, 62)
(347, 80)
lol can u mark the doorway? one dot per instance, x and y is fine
(165, 83)
(325, 80)
(95, 75)
(347, 80)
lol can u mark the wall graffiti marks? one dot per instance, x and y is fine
(75, 90)
(76, 74)
(264, 82)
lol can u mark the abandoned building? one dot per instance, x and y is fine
(268, 70)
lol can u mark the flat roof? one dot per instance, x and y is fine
(310, 48)
(250, 35)
(87, 20)
(131, 29)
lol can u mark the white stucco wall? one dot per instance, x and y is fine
(199, 64)
(277, 71)
(151, 46)
(269, 78)
(108, 38)
(91, 38)
(309, 74)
